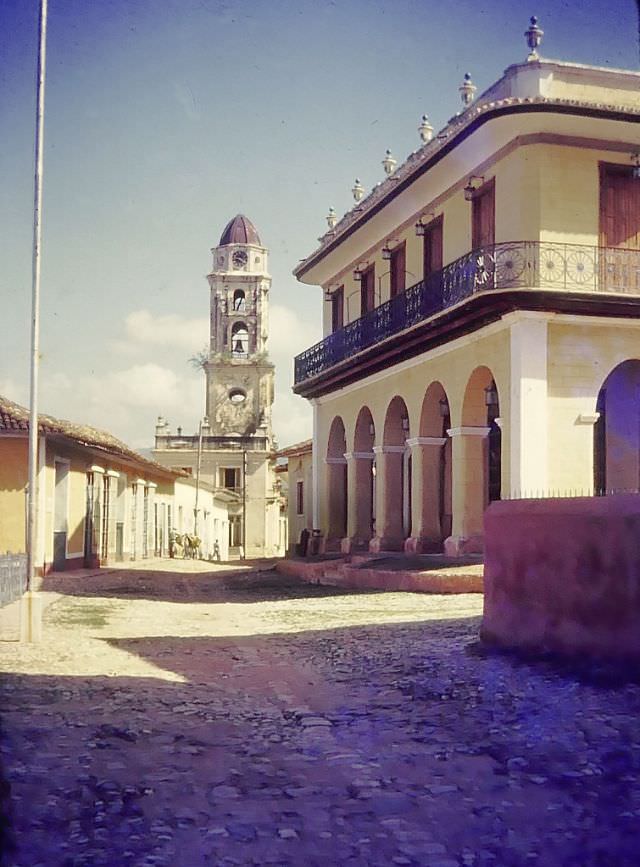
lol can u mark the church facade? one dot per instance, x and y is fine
(233, 450)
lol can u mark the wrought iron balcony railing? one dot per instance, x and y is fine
(513, 265)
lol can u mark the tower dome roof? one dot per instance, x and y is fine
(240, 230)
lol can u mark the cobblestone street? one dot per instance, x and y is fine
(241, 718)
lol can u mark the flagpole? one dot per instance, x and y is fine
(32, 513)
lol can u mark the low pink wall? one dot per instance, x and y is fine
(339, 573)
(564, 576)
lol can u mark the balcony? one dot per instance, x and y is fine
(568, 268)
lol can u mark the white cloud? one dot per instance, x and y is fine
(153, 378)
(13, 390)
(292, 418)
(289, 335)
(126, 402)
(143, 328)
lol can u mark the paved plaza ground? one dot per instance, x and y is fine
(238, 717)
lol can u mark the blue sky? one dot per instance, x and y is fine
(164, 119)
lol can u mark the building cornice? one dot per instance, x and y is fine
(424, 159)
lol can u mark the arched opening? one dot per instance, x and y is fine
(239, 302)
(494, 459)
(364, 482)
(477, 457)
(616, 434)
(394, 498)
(336, 484)
(436, 453)
(481, 410)
(239, 340)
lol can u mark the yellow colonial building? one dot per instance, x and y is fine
(481, 312)
(100, 501)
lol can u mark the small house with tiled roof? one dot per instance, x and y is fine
(99, 500)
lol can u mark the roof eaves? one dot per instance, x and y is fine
(422, 159)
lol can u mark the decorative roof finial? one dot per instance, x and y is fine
(425, 129)
(357, 190)
(389, 163)
(533, 36)
(332, 218)
(467, 90)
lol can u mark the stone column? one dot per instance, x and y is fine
(315, 466)
(359, 502)
(389, 469)
(426, 533)
(469, 489)
(527, 410)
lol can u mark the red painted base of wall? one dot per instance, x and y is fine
(69, 564)
(563, 576)
(340, 573)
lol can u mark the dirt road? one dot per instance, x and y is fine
(239, 718)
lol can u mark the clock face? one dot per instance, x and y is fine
(239, 259)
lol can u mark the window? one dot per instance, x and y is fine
(483, 216)
(619, 207)
(432, 250)
(367, 290)
(398, 272)
(239, 302)
(337, 309)
(229, 477)
(300, 498)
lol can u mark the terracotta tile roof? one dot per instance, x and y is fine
(14, 417)
(300, 448)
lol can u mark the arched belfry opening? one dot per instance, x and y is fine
(239, 340)
(239, 301)
(616, 435)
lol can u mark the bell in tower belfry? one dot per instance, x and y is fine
(239, 373)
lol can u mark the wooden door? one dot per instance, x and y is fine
(432, 250)
(337, 309)
(367, 290)
(619, 229)
(397, 279)
(483, 220)
(60, 509)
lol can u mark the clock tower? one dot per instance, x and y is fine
(239, 373)
(233, 452)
